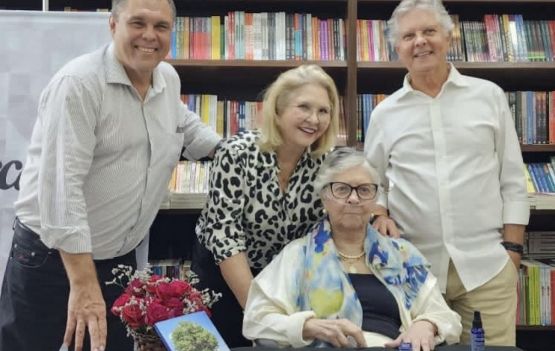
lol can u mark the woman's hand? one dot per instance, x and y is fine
(334, 331)
(386, 226)
(421, 334)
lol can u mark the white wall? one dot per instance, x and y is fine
(35, 46)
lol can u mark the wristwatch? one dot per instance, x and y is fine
(509, 245)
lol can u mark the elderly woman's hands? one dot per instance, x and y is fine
(334, 331)
(421, 334)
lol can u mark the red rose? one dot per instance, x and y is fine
(165, 291)
(152, 283)
(136, 288)
(180, 288)
(119, 303)
(156, 312)
(133, 315)
(173, 302)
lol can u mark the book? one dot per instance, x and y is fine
(190, 332)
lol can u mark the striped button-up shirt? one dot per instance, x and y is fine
(100, 157)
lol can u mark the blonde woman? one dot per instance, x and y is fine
(261, 195)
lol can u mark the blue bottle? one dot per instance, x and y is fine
(477, 335)
(405, 346)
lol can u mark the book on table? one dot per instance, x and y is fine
(190, 332)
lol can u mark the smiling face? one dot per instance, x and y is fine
(422, 43)
(141, 35)
(351, 213)
(305, 117)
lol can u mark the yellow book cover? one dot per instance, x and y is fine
(205, 108)
(216, 42)
(529, 183)
(171, 185)
(220, 118)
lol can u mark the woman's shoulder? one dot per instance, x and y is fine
(240, 144)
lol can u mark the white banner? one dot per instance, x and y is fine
(35, 46)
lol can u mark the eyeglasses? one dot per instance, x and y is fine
(342, 190)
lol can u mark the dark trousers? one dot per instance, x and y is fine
(227, 314)
(35, 292)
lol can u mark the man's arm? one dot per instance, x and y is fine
(200, 140)
(514, 233)
(516, 209)
(68, 113)
(86, 306)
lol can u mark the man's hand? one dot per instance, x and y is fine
(386, 226)
(86, 309)
(515, 257)
(334, 331)
(421, 334)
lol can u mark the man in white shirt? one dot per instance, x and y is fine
(450, 163)
(109, 131)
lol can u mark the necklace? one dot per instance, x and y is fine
(350, 260)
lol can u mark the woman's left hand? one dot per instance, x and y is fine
(421, 334)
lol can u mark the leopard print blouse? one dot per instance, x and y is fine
(246, 210)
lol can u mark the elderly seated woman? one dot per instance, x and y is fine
(344, 284)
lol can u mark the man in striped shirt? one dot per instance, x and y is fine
(110, 128)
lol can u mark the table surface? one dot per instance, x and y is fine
(439, 348)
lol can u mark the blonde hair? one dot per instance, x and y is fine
(277, 97)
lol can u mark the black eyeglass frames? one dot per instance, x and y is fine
(342, 190)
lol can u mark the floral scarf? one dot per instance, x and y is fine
(327, 290)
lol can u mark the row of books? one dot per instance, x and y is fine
(536, 292)
(190, 177)
(302, 36)
(533, 113)
(188, 185)
(540, 177)
(259, 36)
(226, 117)
(539, 244)
(171, 268)
(365, 106)
(508, 38)
(534, 116)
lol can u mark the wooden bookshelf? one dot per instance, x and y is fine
(242, 79)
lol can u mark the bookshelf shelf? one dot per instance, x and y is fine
(538, 148)
(511, 76)
(254, 64)
(536, 327)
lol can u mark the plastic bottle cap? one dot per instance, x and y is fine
(477, 321)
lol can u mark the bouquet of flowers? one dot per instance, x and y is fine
(150, 298)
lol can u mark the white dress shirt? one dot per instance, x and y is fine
(100, 158)
(454, 171)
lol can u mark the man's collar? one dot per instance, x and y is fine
(454, 78)
(115, 73)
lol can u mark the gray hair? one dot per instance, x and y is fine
(117, 5)
(406, 6)
(340, 160)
